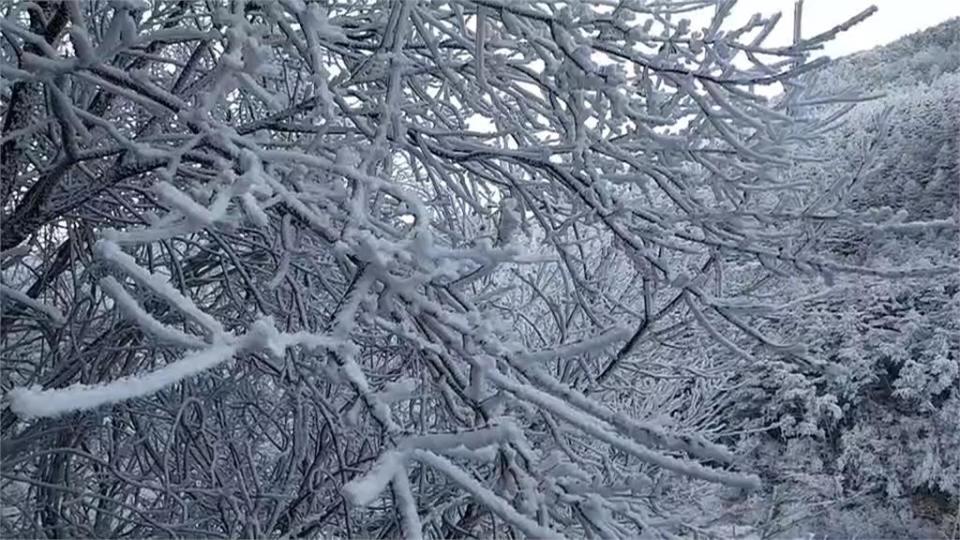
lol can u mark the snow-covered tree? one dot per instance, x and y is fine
(866, 439)
(382, 268)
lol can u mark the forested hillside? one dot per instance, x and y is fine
(473, 269)
(915, 60)
(868, 447)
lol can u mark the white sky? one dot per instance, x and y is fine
(894, 19)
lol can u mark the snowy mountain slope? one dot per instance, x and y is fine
(868, 447)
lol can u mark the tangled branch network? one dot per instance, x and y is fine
(387, 268)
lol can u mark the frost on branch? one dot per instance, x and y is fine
(414, 268)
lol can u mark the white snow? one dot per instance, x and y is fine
(158, 284)
(129, 306)
(51, 312)
(34, 402)
(364, 490)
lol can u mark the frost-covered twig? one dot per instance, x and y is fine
(49, 311)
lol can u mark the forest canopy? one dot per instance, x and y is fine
(469, 268)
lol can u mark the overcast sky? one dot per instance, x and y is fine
(895, 18)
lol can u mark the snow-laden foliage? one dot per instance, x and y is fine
(873, 438)
(917, 59)
(408, 268)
